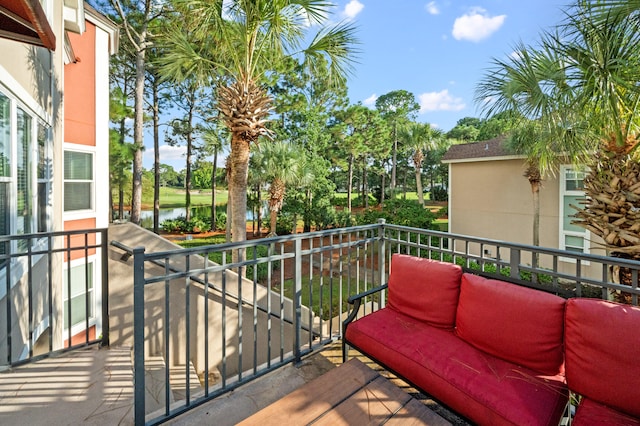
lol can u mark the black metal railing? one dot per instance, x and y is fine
(234, 312)
(51, 293)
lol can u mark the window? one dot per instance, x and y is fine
(44, 179)
(78, 181)
(5, 167)
(572, 237)
(81, 293)
(25, 175)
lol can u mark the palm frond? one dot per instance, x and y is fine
(336, 45)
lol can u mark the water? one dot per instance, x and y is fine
(146, 216)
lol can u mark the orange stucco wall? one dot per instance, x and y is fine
(79, 90)
(79, 240)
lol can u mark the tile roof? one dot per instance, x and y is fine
(483, 149)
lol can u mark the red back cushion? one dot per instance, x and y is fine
(602, 349)
(424, 289)
(514, 323)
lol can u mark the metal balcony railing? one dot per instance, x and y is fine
(51, 293)
(234, 312)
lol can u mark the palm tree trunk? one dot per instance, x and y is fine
(419, 186)
(213, 189)
(239, 158)
(273, 216)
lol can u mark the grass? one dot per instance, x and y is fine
(330, 291)
(175, 197)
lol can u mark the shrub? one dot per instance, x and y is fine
(439, 194)
(399, 212)
(181, 225)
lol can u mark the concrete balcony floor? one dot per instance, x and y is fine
(95, 387)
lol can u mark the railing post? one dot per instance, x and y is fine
(514, 263)
(297, 299)
(138, 335)
(382, 256)
(104, 244)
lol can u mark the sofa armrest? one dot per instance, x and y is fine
(356, 301)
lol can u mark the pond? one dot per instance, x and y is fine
(146, 216)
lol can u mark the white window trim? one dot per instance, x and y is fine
(78, 328)
(86, 213)
(562, 233)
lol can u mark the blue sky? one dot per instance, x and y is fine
(438, 50)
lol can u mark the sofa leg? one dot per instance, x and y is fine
(345, 350)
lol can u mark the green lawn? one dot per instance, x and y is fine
(330, 295)
(175, 197)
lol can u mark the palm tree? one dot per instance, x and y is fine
(280, 165)
(531, 87)
(419, 138)
(244, 42)
(601, 44)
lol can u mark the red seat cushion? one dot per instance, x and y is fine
(485, 389)
(425, 289)
(590, 413)
(603, 352)
(518, 324)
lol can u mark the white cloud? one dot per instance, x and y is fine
(172, 153)
(476, 25)
(440, 101)
(371, 100)
(352, 9)
(432, 8)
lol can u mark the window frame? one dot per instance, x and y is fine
(563, 214)
(93, 320)
(80, 213)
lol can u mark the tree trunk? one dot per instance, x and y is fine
(307, 218)
(419, 186)
(156, 158)
(239, 157)
(120, 179)
(227, 228)
(535, 189)
(273, 222)
(382, 183)
(349, 182)
(253, 222)
(259, 211)
(404, 184)
(121, 200)
(365, 186)
(136, 193)
(213, 189)
(187, 179)
(111, 199)
(394, 158)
